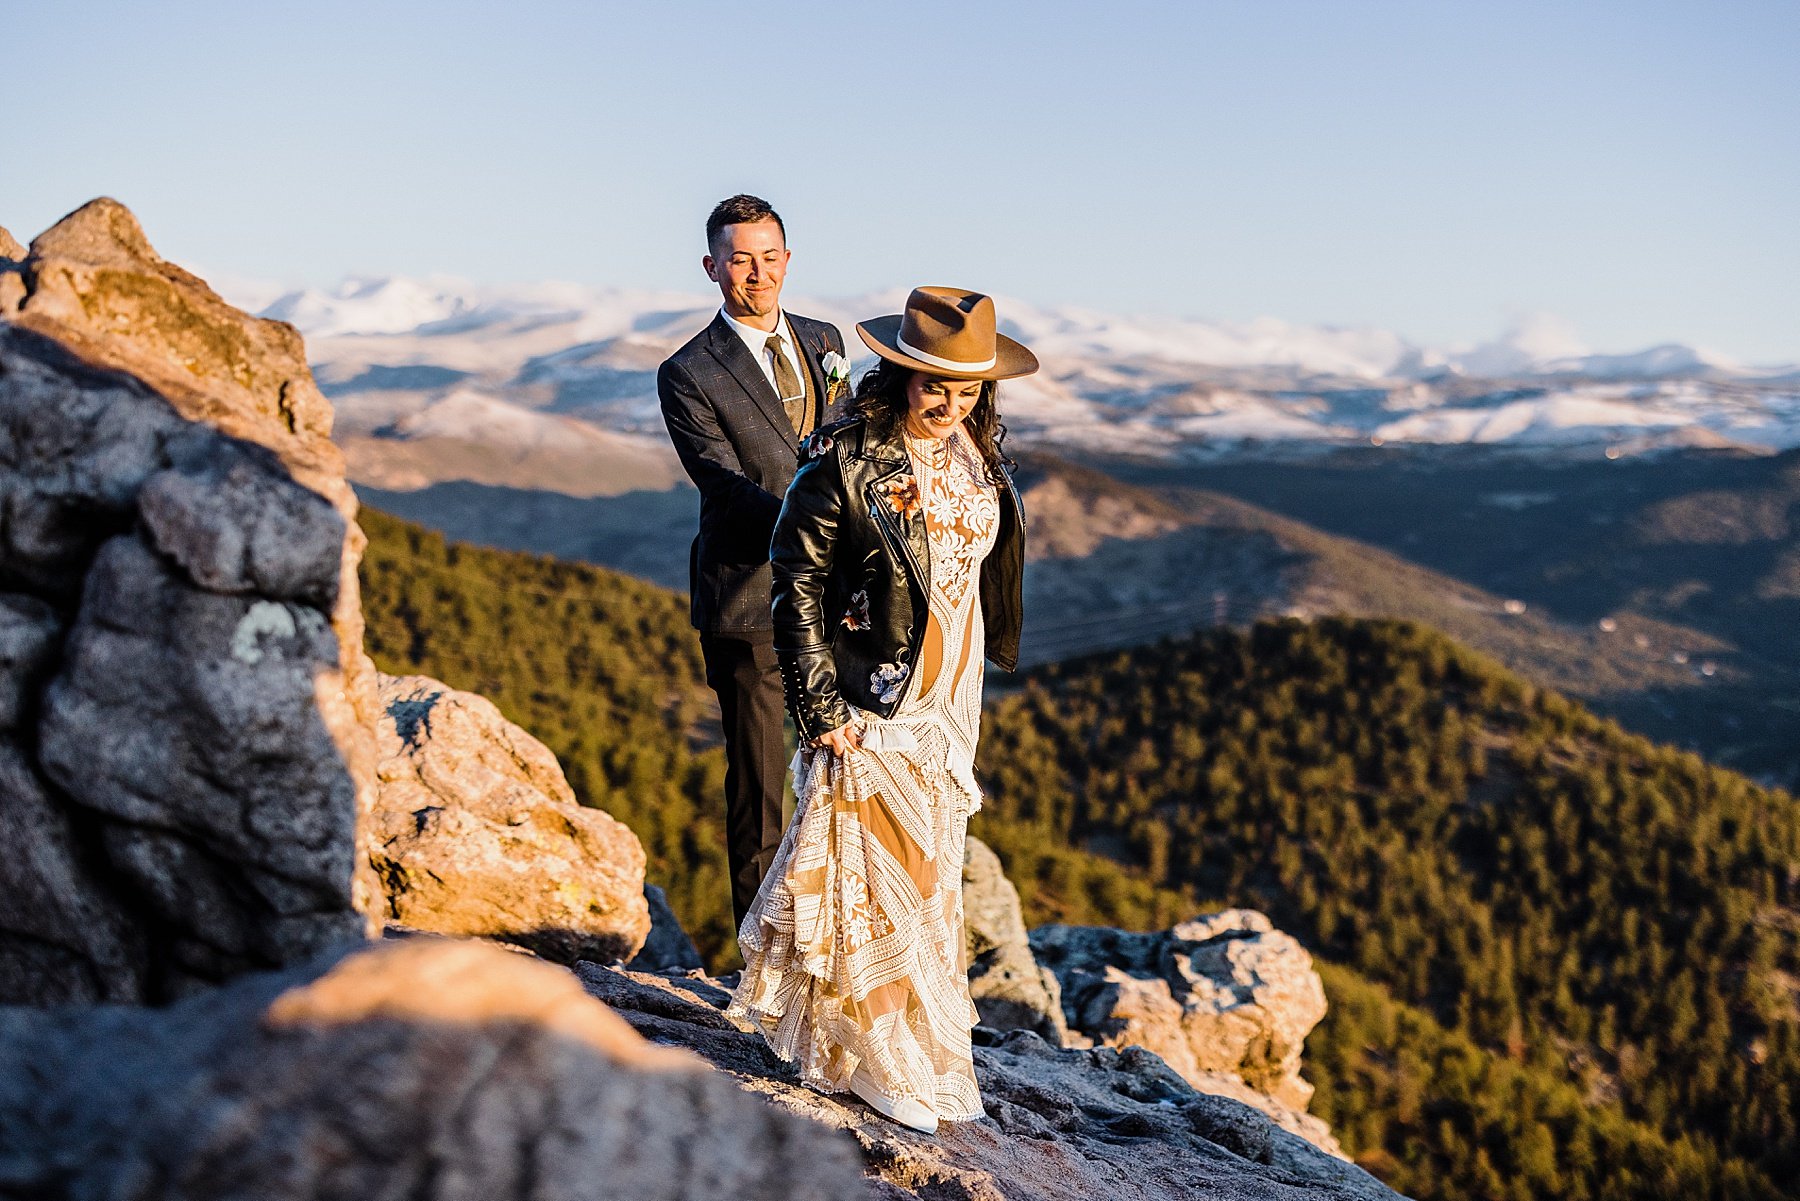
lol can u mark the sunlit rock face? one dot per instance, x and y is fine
(186, 715)
(477, 833)
(1226, 1000)
(429, 1069)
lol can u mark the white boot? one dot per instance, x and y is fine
(904, 1110)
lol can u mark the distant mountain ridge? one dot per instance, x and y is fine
(1157, 387)
(1533, 346)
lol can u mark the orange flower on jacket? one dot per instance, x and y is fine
(903, 495)
(856, 617)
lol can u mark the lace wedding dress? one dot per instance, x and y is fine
(853, 949)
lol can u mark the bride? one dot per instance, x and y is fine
(897, 561)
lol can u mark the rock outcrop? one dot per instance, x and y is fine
(668, 948)
(9, 246)
(1010, 990)
(426, 1069)
(1226, 1000)
(476, 832)
(186, 715)
(1062, 1125)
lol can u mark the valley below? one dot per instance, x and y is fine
(1662, 592)
(1620, 527)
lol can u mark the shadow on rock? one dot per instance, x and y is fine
(186, 743)
(1062, 1125)
(427, 1069)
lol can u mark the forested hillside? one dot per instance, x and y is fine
(1549, 898)
(1612, 913)
(1701, 545)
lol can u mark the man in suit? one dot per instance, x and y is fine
(737, 400)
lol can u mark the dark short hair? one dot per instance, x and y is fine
(742, 209)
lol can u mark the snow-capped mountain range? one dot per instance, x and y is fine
(525, 366)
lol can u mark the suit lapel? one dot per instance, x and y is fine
(811, 351)
(734, 356)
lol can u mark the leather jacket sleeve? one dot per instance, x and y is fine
(801, 554)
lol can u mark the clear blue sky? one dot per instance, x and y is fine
(1436, 167)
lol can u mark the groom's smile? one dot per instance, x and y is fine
(749, 262)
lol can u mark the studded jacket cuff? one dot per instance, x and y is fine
(809, 681)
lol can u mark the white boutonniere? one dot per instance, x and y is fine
(837, 374)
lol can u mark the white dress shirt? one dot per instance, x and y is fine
(757, 339)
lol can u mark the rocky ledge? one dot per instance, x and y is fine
(1063, 1124)
(429, 1069)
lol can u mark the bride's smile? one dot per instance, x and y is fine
(936, 406)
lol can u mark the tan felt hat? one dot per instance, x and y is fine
(947, 332)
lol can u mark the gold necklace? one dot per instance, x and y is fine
(937, 455)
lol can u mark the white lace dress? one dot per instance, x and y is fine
(853, 949)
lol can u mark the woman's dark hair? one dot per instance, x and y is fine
(880, 400)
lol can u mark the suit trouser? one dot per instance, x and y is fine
(744, 672)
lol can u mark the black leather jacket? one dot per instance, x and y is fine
(851, 575)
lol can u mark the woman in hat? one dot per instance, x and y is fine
(897, 561)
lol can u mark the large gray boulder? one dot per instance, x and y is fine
(1062, 1124)
(476, 832)
(1010, 990)
(1226, 1000)
(425, 1069)
(186, 714)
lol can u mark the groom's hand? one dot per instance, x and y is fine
(843, 740)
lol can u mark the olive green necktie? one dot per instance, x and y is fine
(793, 396)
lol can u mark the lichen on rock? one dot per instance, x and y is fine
(195, 772)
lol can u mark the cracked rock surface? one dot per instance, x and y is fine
(186, 715)
(427, 1069)
(1010, 990)
(1227, 1000)
(1062, 1124)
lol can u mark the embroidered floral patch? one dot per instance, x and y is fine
(856, 617)
(817, 444)
(885, 681)
(902, 495)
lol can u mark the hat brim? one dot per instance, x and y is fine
(882, 335)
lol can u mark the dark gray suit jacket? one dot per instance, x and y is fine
(738, 447)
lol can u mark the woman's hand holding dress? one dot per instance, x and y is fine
(843, 740)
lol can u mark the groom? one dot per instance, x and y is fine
(737, 400)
